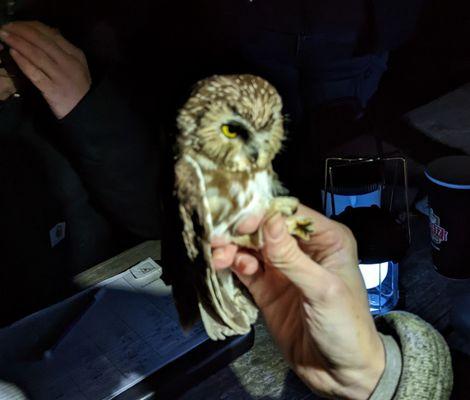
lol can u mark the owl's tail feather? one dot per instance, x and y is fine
(235, 312)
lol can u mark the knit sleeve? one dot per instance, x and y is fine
(426, 369)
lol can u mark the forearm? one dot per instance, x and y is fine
(417, 363)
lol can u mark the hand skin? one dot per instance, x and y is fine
(314, 302)
(7, 87)
(56, 67)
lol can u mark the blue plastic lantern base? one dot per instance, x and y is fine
(382, 286)
(344, 201)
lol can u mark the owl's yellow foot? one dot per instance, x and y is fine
(285, 205)
(297, 225)
(253, 241)
(300, 226)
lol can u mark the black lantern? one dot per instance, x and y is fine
(353, 195)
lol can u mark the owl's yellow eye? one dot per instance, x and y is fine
(229, 131)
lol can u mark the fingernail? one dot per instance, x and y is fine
(243, 227)
(4, 34)
(217, 254)
(218, 258)
(245, 264)
(217, 241)
(275, 227)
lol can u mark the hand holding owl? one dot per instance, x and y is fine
(314, 302)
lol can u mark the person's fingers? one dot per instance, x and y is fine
(282, 251)
(249, 271)
(38, 39)
(249, 224)
(35, 75)
(219, 241)
(265, 283)
(328, 238)
(55, 35)
(245, 264)
(35, 55)
(49, 40)
(222, 257)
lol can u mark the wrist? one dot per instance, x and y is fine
(363, 380)
(64, 109)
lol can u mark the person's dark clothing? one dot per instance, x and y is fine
(317, 52)
(32, 270)
(98, 185)
(327, 60)
(115, 157)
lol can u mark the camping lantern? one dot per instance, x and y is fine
(348, 190)
(381, 280)
(353, 193)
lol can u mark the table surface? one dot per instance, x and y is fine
(119, 263)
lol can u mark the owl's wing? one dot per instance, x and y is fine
(224, 310)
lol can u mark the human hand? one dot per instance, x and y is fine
(7, 87)
(56, 67)
(314, 302)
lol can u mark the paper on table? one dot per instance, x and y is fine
(126, 335)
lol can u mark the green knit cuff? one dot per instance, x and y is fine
(388, 383)
(427, 368)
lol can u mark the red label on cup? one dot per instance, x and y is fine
(438, 233)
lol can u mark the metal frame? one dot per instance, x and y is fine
(345, 162)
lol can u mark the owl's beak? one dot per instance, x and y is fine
(253, 153)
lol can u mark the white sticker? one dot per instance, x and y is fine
(146, 268)
(57, 234)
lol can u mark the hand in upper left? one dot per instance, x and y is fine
(55, 66)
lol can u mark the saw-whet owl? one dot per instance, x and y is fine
(230, 130)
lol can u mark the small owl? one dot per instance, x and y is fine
(230, 130)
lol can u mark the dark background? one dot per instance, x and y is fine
(153, 52)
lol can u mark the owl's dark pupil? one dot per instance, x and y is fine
(238, 129)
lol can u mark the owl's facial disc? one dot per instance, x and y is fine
(237, 130)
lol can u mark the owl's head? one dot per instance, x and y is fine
(234, 120)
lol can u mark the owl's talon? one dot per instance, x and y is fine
(253, 241)
(300, 226)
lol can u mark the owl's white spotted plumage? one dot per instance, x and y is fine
(230, 130)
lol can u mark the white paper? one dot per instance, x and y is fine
(129, 332)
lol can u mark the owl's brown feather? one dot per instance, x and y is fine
(224, 308)
(221, 179)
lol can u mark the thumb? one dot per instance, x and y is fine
(282, 251)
